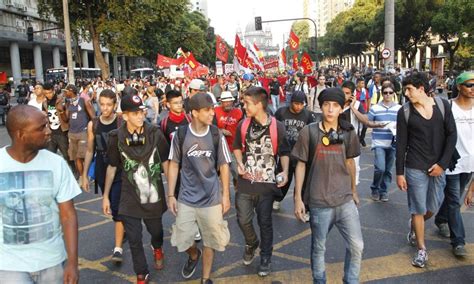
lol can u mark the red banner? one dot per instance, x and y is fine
(270, 64)
(306, 63)
(3, 78)
(295, 61)
(283, 56)
(293, 41)
(222, 53)
(191, 61)
(259, 53)
(240, 51)
(163, 61)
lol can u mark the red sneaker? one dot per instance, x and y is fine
(143, 279)
(159, 256)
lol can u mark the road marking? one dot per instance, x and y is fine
(93, 225)
(373, 269)
(97, 265)
(93, 212)
(88, 201)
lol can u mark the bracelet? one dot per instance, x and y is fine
(170, 195)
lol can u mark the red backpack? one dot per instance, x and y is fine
(273, 133)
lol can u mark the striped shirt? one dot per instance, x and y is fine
(383, 137)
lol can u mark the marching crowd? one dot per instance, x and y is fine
(256, 133)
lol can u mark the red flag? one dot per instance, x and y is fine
(221, 49)
(164, 61)
(295, 61)
(240, 51)
(306, 63)
(293, 41)
(191, 61)
(283, 56)
(259, 53)
(271, 64)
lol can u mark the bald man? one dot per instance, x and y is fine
(36, 206)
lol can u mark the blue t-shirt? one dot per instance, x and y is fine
(383, 137)
(31, 237)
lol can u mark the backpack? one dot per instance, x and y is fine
(273, 133)
(3, 99)
(22, 90)
(406, 108)
(164, 122)
(181, 133)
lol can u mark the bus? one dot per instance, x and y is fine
(60, 74)
(142, 73)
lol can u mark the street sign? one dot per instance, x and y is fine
(386, 53)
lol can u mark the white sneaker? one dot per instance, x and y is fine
(276, 205)
(197, 237)
(306, 217)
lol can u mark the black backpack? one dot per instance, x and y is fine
(3, 99)
(22, 90)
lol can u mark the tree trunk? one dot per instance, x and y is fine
(409, 58)
(99, 57)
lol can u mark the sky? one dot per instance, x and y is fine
(226, 16)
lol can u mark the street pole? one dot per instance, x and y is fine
(67, 33)
(389, 32)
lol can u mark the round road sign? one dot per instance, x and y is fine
(386, 53)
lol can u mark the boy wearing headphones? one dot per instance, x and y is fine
(141, 151)
(325, 153)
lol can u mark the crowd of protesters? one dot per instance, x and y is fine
(253, 132)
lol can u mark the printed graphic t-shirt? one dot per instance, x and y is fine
(31, 237)
(200, 186)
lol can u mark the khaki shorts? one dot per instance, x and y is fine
(208, 220)
(77, 145)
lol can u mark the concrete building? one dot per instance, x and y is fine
(323, 11)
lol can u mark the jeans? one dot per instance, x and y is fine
(450, 211)
(275, 101)
(133, 227)
(247, 205)
(59, 140)
(383, 163)
(51, 275)
(346, 219)
(425, 193)
(288, 98)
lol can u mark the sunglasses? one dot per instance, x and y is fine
(468, 85)
(388, 93)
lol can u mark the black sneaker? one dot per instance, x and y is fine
(362, 142)
(249, 253)
(384, 197)
(265, 267)
(443, 230)
(459, 251)
(190, 266)
(375, 196)
(117, 257)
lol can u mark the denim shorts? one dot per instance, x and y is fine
(425, 193)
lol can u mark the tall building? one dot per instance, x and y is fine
(263, 39)
(201, 6)
(324, 11)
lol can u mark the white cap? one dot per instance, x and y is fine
(227, 96)
(196, 84)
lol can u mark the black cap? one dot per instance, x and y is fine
(298, 97)
(131, 103)
(332, 94)
(200, 100)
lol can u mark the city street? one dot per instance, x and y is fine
(386, 259)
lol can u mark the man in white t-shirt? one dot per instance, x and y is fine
(38, 98)
(448, 219)
(37, 209)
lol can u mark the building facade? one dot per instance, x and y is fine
(263, 39)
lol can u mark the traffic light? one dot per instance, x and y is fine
(210, 33)
(313, 44)
(258, 23)
(29, 33)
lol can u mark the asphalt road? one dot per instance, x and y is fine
(386, 259)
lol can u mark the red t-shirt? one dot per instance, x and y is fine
(229, 121)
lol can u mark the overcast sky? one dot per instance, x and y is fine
(226, 16)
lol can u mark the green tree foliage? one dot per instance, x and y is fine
(453, 23)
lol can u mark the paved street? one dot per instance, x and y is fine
(386, 257)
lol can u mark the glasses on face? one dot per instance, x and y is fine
(388, 93)
(468, 85)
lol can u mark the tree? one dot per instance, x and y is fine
(453, 23)
(116, 24)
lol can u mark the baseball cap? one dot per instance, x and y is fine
(298, 97)
(71, 88)
(227, 96)
(248, 77)
(131, 103)
(196, 84)
(465, 76)
(199, 101)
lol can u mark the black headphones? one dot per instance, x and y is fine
(332, 137)
(135, 139)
